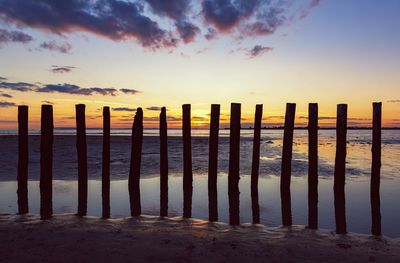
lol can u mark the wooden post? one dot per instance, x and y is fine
(82, 159)
(376, 169)
(287, 164)
(234, 160)
(163, 163)
(213, 164)
(105, 182)
(313, 165)
(46, 162)
(340, 169)
(136, 159)
(256, 164)
(187, 162)
(23, 159)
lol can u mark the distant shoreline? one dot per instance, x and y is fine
(206, 129)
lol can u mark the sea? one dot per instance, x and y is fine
(358, 171)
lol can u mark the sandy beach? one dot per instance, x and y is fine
(67, 238)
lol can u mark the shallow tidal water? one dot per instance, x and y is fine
(357, 180)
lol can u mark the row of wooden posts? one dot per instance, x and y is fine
(46, 163)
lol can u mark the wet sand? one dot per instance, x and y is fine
(67, 238)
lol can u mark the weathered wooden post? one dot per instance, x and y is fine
(187, 162)
(376, 169)
(163, 163)
(213, 164)
(82, 159)
(136, 159)
(46, 162)
(105, 182)
(234, 160)
(313, 165)
(23, 159)
(340, 169)
(256, 164)
(287, 164)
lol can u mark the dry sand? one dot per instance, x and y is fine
(67, 238)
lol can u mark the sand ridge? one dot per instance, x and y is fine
(68, 238)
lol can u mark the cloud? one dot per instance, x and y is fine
(18, 86)
(305, 10)
(61, 69)
(211, 33)
(225, 14)
(54, 46)
(176, 10)
(258, 50)
(199, 118)
(393, 101)
(5, 95)
(124, 109)
(143, 21)
(113, 19)
(14, 36)
(48, 102)
(187, 31)
(60, 88)
(74, 89)
(169, 118)
(3, 79)
(129, 91)
(6, 104)
(154, 108)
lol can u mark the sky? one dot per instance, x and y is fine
(152, 53)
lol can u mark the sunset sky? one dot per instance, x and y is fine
(151, 53)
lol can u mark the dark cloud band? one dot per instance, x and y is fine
(60, 88)
(140, 20)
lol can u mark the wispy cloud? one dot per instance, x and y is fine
(58, 88)
(153, 108)
(6, 104)
(169, 118)
(258, 50)
(199, 118)
(129, 91)
(7, 36)
(48, 102)
(393, 101)
(61, 69)
(54, 46)
(126, 109)
(76, 90)
(5, 95)
(18, 86)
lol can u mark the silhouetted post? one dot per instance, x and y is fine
(256, 164)
(105, 182)
(234, 159)
(136, 159)
(163, 163)
(313, 165)
(340, 169)
(213, 164)
(46, 162)
(187, 162)
(23, 159)
(287, 164)
(82, 159)
(376, 169)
